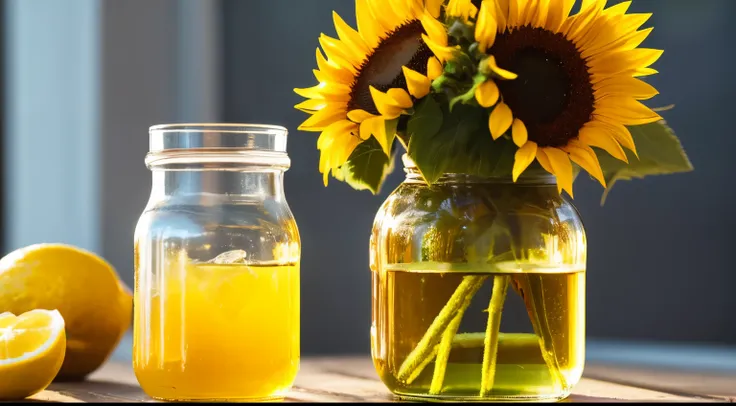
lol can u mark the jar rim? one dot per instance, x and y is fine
(221, 127)
(412, 171)
(224, 143)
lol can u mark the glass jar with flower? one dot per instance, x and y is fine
(479, 257)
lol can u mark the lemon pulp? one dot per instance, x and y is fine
(32, 348)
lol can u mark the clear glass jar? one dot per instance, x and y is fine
(478, 289)
(217, 255)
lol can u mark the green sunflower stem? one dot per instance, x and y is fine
(426, 349)
(490, 352)
(440, 365)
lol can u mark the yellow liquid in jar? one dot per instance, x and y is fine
(209, 331)
(540, 358)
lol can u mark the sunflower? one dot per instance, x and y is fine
(562, 83)
(372, 75)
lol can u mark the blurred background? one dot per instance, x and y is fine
(85, 79)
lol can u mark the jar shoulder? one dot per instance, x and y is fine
(467, 223)
(209, 226)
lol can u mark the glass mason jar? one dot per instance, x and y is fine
(217, 255)
(478, 289)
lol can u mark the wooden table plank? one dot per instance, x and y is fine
(689, 383)
(353, 379)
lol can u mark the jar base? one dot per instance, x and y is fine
(267, 399)
(500, 399)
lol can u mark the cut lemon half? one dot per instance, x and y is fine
(32, 347)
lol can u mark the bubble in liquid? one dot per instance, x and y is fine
(230, 257)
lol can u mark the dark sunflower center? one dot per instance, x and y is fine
(553, 94)
(382, 69)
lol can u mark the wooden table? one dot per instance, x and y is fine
(353, 379)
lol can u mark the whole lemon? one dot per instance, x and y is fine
(87, 291)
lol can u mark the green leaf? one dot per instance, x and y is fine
(433, 153)
(367, 167)
(660, 153)
(427, 118)
(390, 126)
(469, 96)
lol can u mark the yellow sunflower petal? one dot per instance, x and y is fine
(500, 11)
(625, 110)
(336, 73)
(610, 31)
(523, 158)
(634, 39)
(500, 120)
(486, 27)
(464, 9)
(385, 16)
(514, 14)
(402, 8)
(385, 104)
(343, 153)
(519, 133)
(333, 92)
(376, 127)
(435, 30)
(322, 76)
(417, 83)
(324, 166)
(540, 19)
(434, 7)
(367, 25)
(434, 68)
(618, 9)
(349, 36)
(366, 128)
(336, 144)
(619, 62)
(487, 93)
(340, 128)
(443, 53)
(379, 133)
(338, 52)
(544, 161)
(631, 22)
(312, 105)
(618, 43)
(587, 159)
(562, 166)
(311, 92)
(321, 119)
(339, 153)
(402, 98)
(502, 73)
(527, 11)
(619, 132)
(596, 137)
(625, 86)
(576, 26)
(558, 14)
(645, 72)
(358, 115)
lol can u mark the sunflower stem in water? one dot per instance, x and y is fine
(505, 340)
(440, 364)
(424, 351)
(490, 352)
(531, 290)
(418, 370)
